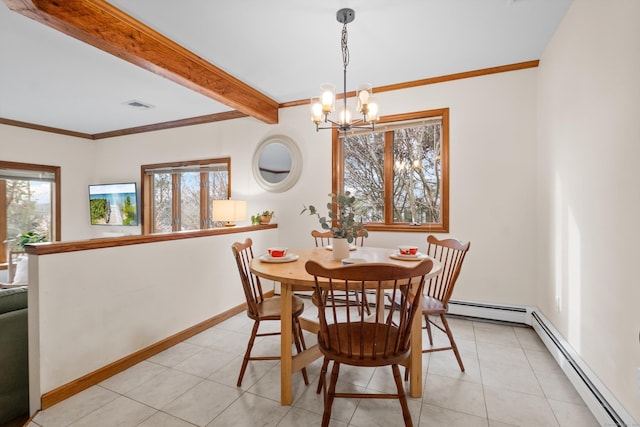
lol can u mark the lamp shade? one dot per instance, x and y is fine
(229, 211)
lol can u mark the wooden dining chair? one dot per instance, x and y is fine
(347, 336)
(261, 309)
(323, 239)
(450, 253)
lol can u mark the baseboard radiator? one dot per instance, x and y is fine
(604, 406)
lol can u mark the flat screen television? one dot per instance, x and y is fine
(113, 204)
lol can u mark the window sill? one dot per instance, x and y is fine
(406, 227)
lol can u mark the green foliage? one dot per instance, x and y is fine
(257, 218)
(341, 217)
(30, 237)
(100, 211)
(129, 210)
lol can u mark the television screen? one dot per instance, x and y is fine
(113, 204)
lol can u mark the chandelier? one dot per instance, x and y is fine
(322, 106)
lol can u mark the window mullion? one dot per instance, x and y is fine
(204, 200)
(388, 177)
(175, 201)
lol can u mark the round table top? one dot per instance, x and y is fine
(294, 272)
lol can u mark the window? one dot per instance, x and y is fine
(399, 171)
(29, 201)
(177, 196)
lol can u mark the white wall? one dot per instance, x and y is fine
(75, 156)
(589, 148)
(90, 308)
(492, 148)
(493, 174)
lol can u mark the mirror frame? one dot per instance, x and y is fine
(296, 164)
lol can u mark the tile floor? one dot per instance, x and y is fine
(510, 380)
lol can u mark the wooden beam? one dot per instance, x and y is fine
(106, 27)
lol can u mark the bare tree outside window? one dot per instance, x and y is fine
(399, 172)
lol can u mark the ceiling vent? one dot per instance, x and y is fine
(139, 105)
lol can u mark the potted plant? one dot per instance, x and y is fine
(30, 237)
(341, 221)
(263, 217)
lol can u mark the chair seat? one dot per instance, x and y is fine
(345, 344)
(269, 309)
(432, 305)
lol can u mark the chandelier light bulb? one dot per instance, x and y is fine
(373, 114)
(345, 117)
(327, 97)
(316, 110)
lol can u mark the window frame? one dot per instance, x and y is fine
(56, 228)
(147, 193)
(337, 179)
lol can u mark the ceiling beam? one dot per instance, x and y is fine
(106, 27)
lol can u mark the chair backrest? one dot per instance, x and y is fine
(449, 253)
(348, 330)
(323, 238)
(243, 254)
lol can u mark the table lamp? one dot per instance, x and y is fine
(229, 211)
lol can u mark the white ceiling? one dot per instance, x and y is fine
(283, 48)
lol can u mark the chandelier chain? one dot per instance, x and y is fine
(345, 48)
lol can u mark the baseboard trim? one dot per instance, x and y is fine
(65, 391)
(602, 404)
(499, 312)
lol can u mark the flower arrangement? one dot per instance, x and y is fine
(341, 217)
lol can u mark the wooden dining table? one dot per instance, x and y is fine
(293, 277)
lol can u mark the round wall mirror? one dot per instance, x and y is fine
(277, 163)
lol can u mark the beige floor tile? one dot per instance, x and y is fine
(133, 377)
(519, 409)
(299, 417)
(503, 335)
(529, 339)
(250, 410)
(204, 363)
(435, 416)
(176, 354)
(383, 412)
(445, 363)
(256, 369)
(265, 386)
(201, 404)
(163, 388)
(194, 383)
(122, 412)
(342, 409)
(573, 415)
(462, 396)
(160, 419)
(518, 378)
(75, 407)
(489, 353)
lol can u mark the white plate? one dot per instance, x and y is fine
(416, 257)
(351, 247)
(269, 258)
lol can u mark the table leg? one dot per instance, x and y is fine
(286, 389)
(415, 373)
